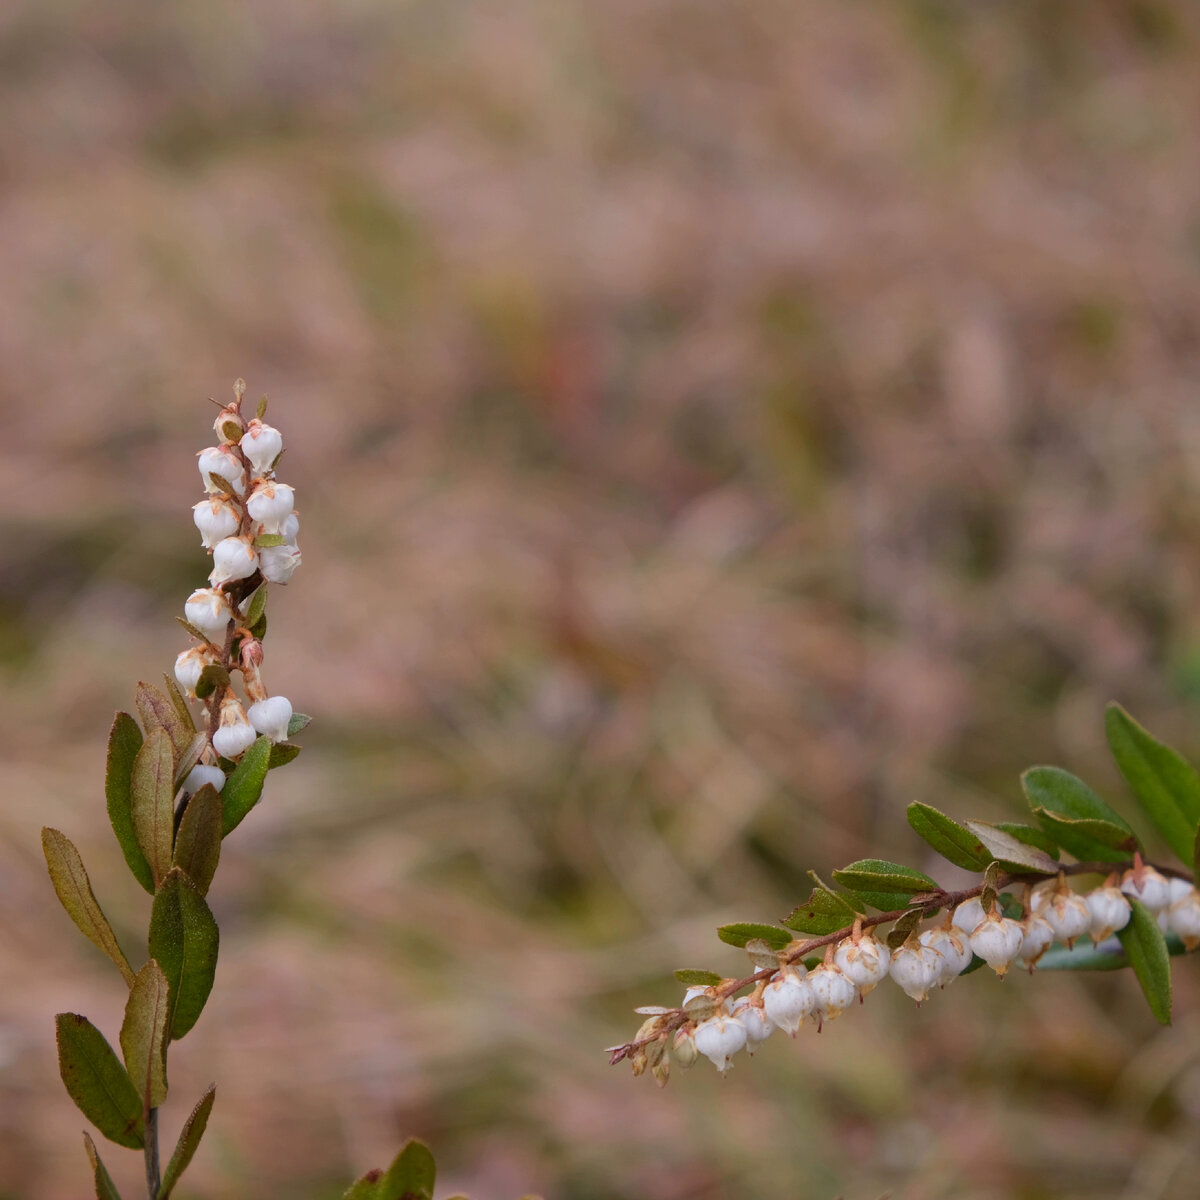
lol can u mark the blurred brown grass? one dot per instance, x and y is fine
(715, 426)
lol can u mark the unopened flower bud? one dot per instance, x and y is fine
(251, 653)
(758, 1025)
(262, 445)
(216, 519)
(234, 734)
(208, 609)
(915, 969)
(969, 915)
(278, 563)
(270, 504)
(864, 962)
(229, 425)
(998, 941)
(788, 999)
(233, 558)
(201, 774)
(834, 993)
(720, 1038)
(189, 664)
(1148, 886)
(1068, 914)
(222, 461)
(954, 946)
(1110, 911)
(270, 717)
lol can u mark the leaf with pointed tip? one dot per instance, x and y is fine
(1146, 949)
(282, 753)
(1167, 786)
(144, 1034)
(189, 1140)
(960, 846)
(74, 890)
(261, 411)
(198, 842)
(180, 704)
(190, 757)
(97, 1082)
(878, 875)
(184, 941)
(690, 977)
(153, 801)
(298, 722)
(158, 712)
(411, 1175)
(194, 630)
(1071, 813)
(257, 604)
(823, 912)
(244, 787)
(221, 483)
(211, 677)
(231, 431)
(898, 934)
(739, 933)
(124, 742)
(105, 1188)
(1009, 851)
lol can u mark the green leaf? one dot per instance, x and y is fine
(179, 703)
(194, 630)
(298, 722)
(257, 605)
(1071, 813)
(262, 408)
(221, 483)
(153, 801)
(410, 1177)
(898, 934)
(823, 912)
(244, 787)
(74, 890)
(1146, 948)
(198, 842)
(189, 758)
(878, 875)
(158, 712)
(144, 1034)
(1030, 835)
(211, 677)
(1167, 786)
(741, 932)
(282, 753)
(231, 431)
(265, 541)
(1083, 956)
(97, 1082)
(948, 837)
(189, 1139)
(1009, 851)
(184, 941)
(693, 978)
(124, 742)
(885, 901)
(105, 1188)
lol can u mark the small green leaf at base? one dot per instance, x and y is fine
(105, 1188)
(74, 889)
(948, 837)
(1146, 949)
(97, 1082)
(144, 1034)
(690, 977)
(124, 742)
(189, 1140)
(184, 941)
(244, 787)
(741, 932)
(410, 1177)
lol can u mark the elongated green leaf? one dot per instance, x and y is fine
(690, 977)
(878, 875)
(1078, 820)
(74, 890)
(144, 1034)
(411, 1175)
(898, 934)
(244, 787)
(1031, 836)
(184, 941)
(1009, 851)
(823, 912)
(96, 1081)
(179, 704)
(158, 712)
(1167, 786)
(153, 801)
(256, 606)
(189, 758)
(948, 837)
(105, 1188)
(212, 677)
(282, 753)
(884, 901)
(124, 742)
(1146, 949)
(298, 722)
(189, 1140)
(198, 842)
(741, 932)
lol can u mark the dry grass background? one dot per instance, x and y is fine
(715, 425)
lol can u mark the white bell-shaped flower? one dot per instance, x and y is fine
(998, 941)
(969, 915)
(291, 528)
(833, 991)
(234, 734)
(758, 1025)
(1037, 936)
(953, 945)
(216, 519)
(188, 666)
(788, 999)
(1148, 886)
(208, 609)
(1110, 912)
(201, 774)
(720, 1038)
(1183, 913)
(865, 962)
(1068, 914)
(222, 461)
(915, 969)
(233, 558)
(278, 563)
(271, 716)
(270, 504)
(262, 445)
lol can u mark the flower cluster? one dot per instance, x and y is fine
(248, 524)
(715, 1022)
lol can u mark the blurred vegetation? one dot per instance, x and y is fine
(714, 426)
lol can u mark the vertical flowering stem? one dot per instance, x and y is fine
(153, 1179)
